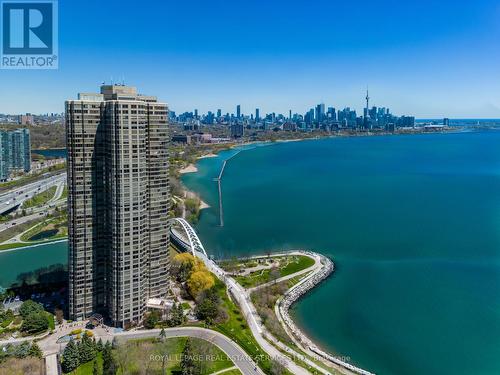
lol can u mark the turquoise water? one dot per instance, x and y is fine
(13, 263)
(52, 152)
(412, 223)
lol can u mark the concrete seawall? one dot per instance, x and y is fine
(292, 295)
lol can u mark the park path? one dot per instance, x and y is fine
(317, 265)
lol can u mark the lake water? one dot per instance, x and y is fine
(16, 262)
(412, 223)
(52, 152)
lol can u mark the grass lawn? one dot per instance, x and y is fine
(50, 229)
(237, 329)
(41, 198)
(300, 263)
(52, 323)
(88, 368)
(65, 192)
(18, 229)
(231, 372)
(136, 355)
(36, 231)
(288, 265)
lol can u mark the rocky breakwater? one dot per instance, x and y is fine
(292, 295)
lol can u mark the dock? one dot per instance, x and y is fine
(219, 186)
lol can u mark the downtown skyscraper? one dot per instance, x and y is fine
(118, 203)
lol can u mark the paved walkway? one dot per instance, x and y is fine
(255, 324)
(257, 268)
(49, 345)
(314, 267)
(51, 366)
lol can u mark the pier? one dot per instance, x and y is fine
(219, 186)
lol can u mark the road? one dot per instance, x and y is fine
(241, 360)
(17, 196)
(38, 213)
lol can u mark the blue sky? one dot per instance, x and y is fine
(426, 58)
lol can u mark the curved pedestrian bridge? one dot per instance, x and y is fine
(187, 239)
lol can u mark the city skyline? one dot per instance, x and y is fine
(430, 60)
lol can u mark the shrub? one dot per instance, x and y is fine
(29, 307)
(152, 319)
(35, 322)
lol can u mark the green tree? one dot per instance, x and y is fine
(206, 310)
(86, 349)
(176, 316)
(28, 307)
(95, 370)
(70, 357)
(152, 319)
(34, 323)
(108, 361)
(188, 364)
(22, 351)
(35, 351)
(163, 335)
(99, 346)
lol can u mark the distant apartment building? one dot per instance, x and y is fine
(15, 152)
(118, 203)
(406, 121)
(26, 119)
(236, 130)
(181, 138)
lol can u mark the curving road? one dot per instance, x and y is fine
(241, 360)
(51, 347)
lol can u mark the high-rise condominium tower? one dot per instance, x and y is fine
(15, 152)
(117, 203)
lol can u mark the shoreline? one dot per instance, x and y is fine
(33, 245)
(292, 296)
(191, 168)
(286, 301)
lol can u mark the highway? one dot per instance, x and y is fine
(17, 196)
